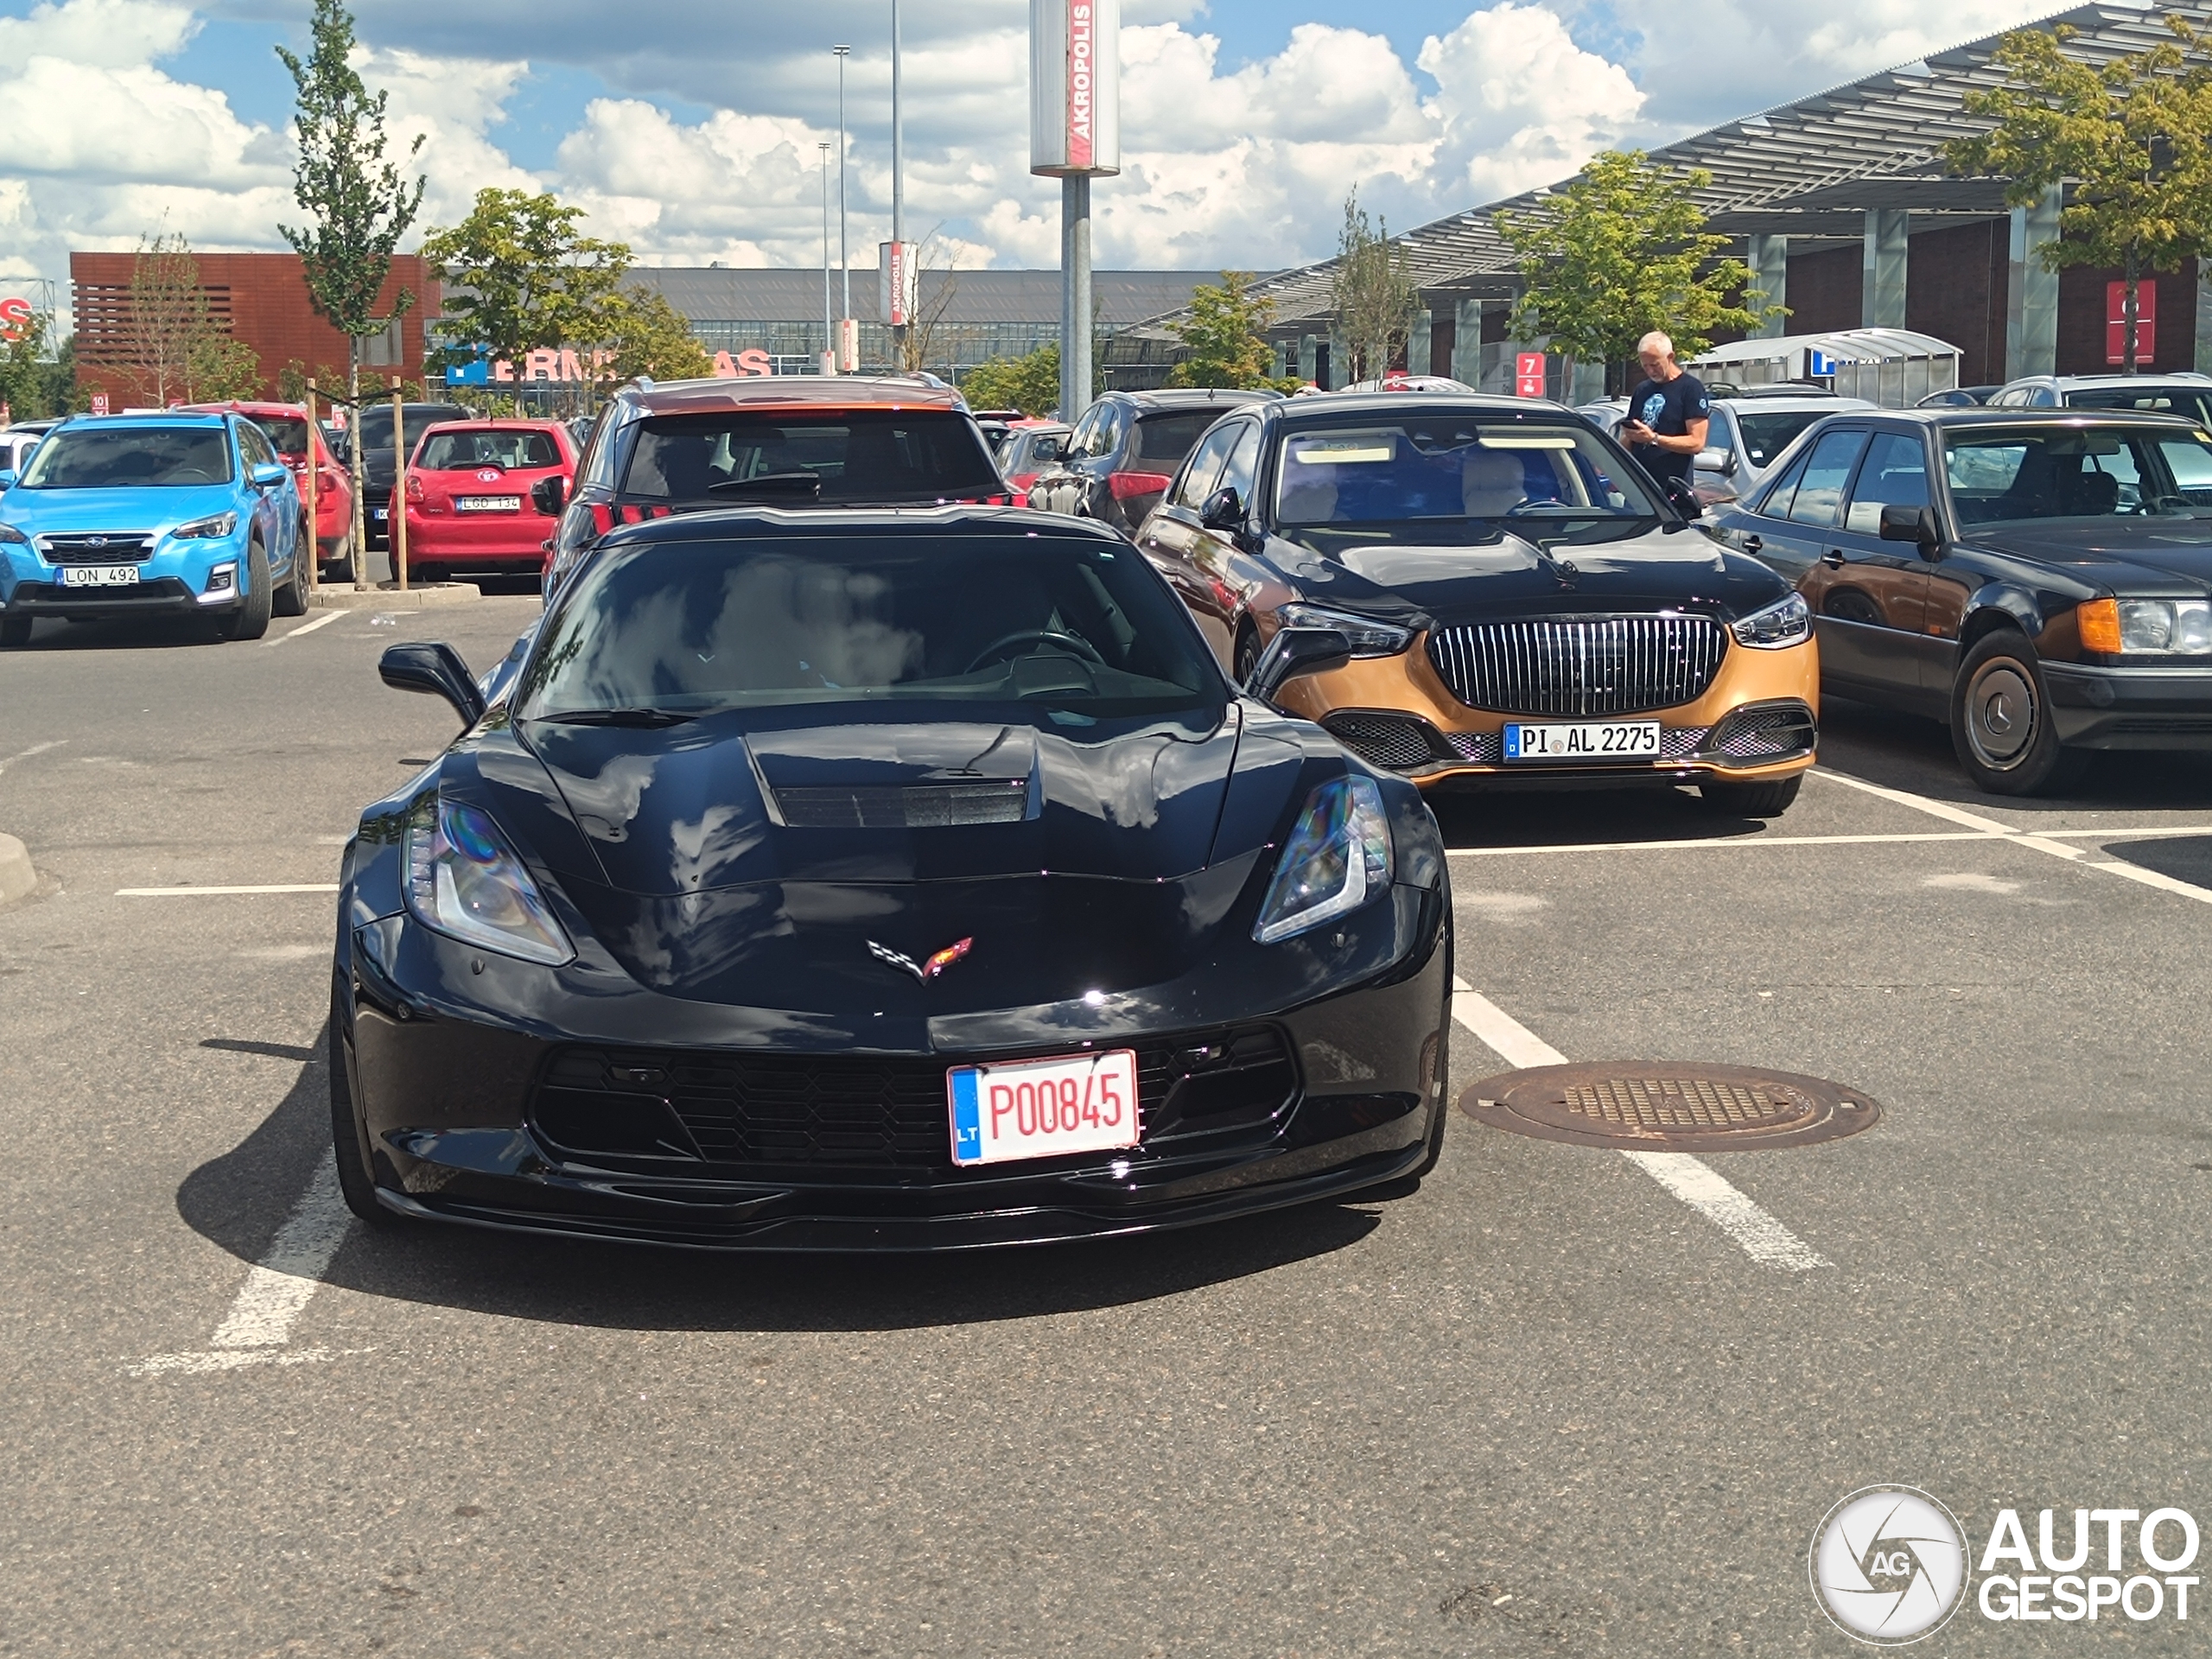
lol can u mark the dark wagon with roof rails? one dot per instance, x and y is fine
(1127, 447)
(2039, 579)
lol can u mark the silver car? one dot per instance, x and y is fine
(1747, 435)
(2185, 393)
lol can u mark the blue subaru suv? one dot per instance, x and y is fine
(189, 516)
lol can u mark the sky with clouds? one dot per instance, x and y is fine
(690, 131)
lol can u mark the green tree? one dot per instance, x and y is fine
(2129, 135)
(37, 377)
(1372, 294)
(358, 204)
(1226, 332)
(1620, 252)
(526, 278)
(1030, 384)
(217, 368)
(643, 335)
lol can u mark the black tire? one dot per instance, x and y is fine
(291, 599)
(250, 619)
(2000, 720)
(16, 632)
(349, 1138)
(1248, 654)
(1761, 800)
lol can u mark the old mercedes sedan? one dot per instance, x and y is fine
(1520, 604)
(870, 880)
(2041, 582)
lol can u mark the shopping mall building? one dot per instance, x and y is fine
(1842, 205)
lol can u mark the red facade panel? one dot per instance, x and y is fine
(2081, 319)
(1825, 291)
(1955, 281)
(259, 298)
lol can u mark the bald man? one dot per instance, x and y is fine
(1667, 414)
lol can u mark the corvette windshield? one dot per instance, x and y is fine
(1076, 628)
(1433, 477)
(130, 457)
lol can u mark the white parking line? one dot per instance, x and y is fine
(322, 621)
(197, 892)
(1696, 1183)
(35, 748)
(276, 1289)
(2130, 832)
(2028, 838)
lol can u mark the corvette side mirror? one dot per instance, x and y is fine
(436, 668)
(1293, 651)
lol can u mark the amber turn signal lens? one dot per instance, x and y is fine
(2099, 622)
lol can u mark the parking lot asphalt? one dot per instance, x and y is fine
(1544, 1405)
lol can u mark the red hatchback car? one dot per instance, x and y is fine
(286, 425)
(471, 509)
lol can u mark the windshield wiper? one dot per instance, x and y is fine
(640, 717)
(799, 483)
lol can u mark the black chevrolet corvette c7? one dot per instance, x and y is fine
(875, 880)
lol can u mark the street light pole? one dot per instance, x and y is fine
(845, 249)
(898, 179)
(829, 326)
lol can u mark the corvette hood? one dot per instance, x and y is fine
(727, 802)
(1513, 577)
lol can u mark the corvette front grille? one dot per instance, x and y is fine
(851, 1111)
(1581, 669)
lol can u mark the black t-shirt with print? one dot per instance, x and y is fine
(1668, 407)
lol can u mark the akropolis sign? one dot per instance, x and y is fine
(1075, 122)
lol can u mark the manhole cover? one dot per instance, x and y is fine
(1668, 1106)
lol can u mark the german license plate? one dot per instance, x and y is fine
(1613, 740)
(488, 503)
(1042, 1109)
(99, 575)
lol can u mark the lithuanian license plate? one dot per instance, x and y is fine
(99, 575)
(488, 503)
(1042, 1109)
(1613, 740)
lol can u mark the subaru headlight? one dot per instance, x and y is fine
(1368, 637)
(213, 527)
(13, 536)
(1336, 860)
(462, 880)
(1786, 622)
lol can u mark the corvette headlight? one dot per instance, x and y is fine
(213, 527)
(462, 880)
(1336, 860)
(1368, 637)
(1786, 622)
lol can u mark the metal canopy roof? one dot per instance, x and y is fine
(1845, 345)
(1806, 168)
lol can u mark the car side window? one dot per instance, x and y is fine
(1720, 433)
(255, 446)
(1081, 441)
(1775, 503)
(1113, 426)
(1204, 467)
(1827, 469)
(1895, 474)
(1243, 469)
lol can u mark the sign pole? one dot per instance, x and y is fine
(1075, 295)
(314, 477)
(399, 536)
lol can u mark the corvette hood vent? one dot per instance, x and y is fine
(914, 806)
